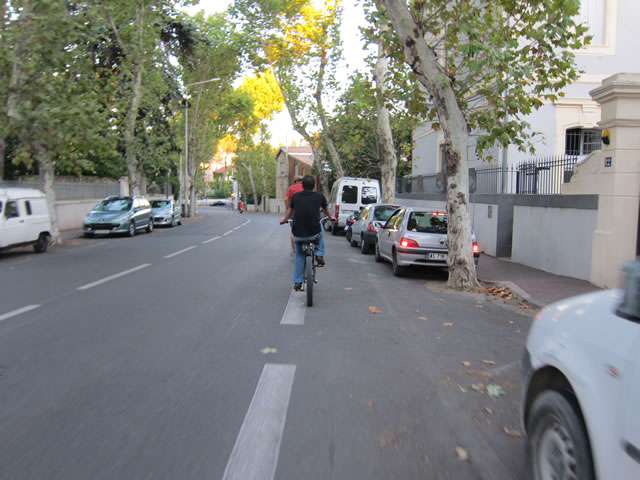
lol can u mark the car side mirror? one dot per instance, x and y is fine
(630, 306)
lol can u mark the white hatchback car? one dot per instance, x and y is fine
(416, 237)
(581, 392)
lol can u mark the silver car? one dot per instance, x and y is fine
(166, 212)
(119, 215)
(371, 219)
(414, 236)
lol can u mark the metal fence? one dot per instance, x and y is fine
(70, 190)
(538, 176)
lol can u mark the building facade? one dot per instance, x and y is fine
(568, 126)
(291, 162)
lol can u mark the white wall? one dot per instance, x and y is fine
(484, 222)
(557, 240)
(71, 212)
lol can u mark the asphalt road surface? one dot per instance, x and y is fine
(184, 354)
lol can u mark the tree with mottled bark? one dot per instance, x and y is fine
(485, 65)
(388, 159)
(302, 45)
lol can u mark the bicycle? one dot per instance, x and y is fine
(309, 249)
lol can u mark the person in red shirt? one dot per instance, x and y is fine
(295, 188)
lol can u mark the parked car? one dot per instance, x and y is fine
(349, 223)
(166, 212)
(581, 388)
(24, 219)
(348, 196)
(119, 215)
(365, 228)
(414, 236)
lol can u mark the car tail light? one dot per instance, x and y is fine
(371, 227)
(337, 211)
(407, 242)
(476, 247)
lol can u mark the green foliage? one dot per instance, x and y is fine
(74, 88)
(260, 160)
(355, 130)
(502, 58)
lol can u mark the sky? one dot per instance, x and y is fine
(352, 18)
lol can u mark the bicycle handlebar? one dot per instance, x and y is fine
(290, 220)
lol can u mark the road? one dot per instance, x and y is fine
(184, 354)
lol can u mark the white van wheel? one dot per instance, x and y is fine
(42, 243)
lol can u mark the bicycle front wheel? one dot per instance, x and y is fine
(308, 273)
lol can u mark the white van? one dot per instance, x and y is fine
(349, 195)
(24, 219)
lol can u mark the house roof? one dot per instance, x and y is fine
(226, 169)
(303, 154)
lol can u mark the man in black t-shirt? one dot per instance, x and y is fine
(305, 208)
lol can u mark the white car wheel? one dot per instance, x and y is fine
(557, 445)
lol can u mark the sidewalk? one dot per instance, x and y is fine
(536, 286)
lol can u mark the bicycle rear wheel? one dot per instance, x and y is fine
(308, 273)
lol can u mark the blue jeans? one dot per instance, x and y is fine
(298, 271)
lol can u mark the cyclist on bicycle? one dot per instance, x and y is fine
(305, 208)
(292, 190)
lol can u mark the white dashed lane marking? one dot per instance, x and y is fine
(113, 277)
(212, 239)
(19, 311)
(255, 453)
(294, 313)
(179, 252)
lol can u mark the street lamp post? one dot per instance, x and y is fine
(185, 195)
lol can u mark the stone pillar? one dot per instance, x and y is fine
(614, 174)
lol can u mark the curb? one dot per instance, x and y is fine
(517, 290)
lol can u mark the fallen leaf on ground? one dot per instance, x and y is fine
(494, 390)
(462, 454)
(423, 318)
(478, 305)
(478, 387)
(373, 309)
(479, 373)
(488, 362)
(465, 363)
(500, 292)
(448, 324)
(370, 403)
(511, 432)
(269, 350)
(488, 410)
(462, 389)
(348, 288)
(393, 439)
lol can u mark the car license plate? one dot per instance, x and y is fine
(101, 232)
(436, 256)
